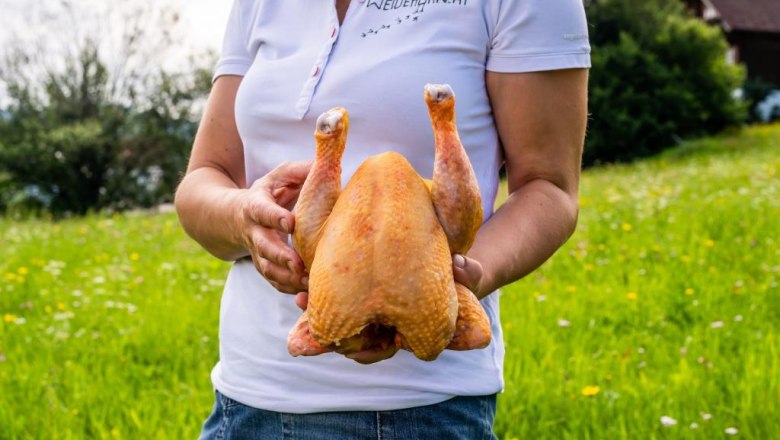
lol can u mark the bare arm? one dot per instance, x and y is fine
(541, 123)
(229, 220)
(215, 176)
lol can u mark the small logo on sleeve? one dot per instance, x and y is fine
(575, 37)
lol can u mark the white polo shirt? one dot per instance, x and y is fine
(297, 61)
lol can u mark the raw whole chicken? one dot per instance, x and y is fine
(379, 253)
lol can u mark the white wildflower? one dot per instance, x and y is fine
(564, 323)
(668, 421)
(63, 316)
(731, 431)
(54, 267)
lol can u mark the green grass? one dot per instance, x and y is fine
(108, 329)
(664, 303)
(670, 290)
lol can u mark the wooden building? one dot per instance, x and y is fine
(752, 28)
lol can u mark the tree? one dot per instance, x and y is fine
(658, 76)
(83, 131)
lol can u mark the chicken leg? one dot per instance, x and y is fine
(456, 198)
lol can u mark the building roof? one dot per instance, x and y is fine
(748, 15)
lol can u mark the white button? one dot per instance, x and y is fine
(315, 70)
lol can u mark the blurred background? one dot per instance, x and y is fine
(119, 86)
(659, 318)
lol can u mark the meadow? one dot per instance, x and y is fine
(660, 318)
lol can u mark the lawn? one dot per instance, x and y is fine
(660, 318)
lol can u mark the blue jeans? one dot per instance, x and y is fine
(466, 418)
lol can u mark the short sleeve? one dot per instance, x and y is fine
(235, 58)
(536, 35)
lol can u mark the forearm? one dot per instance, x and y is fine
(540, 117)
(207, 204)
(528, 228)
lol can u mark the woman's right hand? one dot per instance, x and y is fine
(228, 219)
(265, 223)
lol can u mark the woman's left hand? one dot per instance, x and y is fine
(469, 272)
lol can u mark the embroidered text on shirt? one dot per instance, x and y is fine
(411, 17)
(388, 5)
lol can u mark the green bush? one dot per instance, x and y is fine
(70, 146)
(658, 76)
(62, 169)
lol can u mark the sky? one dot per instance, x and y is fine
(201, 26)
(204, 20)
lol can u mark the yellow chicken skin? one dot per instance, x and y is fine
(379, 253)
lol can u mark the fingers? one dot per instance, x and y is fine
(281, 278)
(373, 356)
(269, 195)
(277, 262)
(290, 173)
(467, 271)
(269, 245)
(289, 178)
(302, 300)
(260, 208)
(268, 223)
